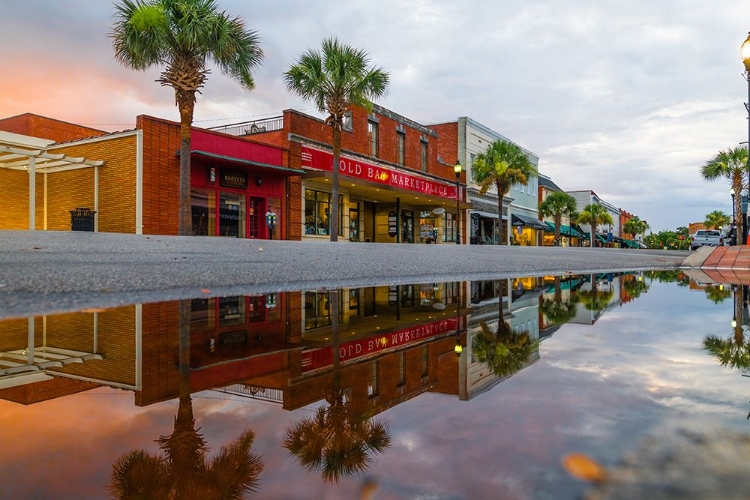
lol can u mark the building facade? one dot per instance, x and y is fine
(129, 181)
(518, 221)
(394, 187)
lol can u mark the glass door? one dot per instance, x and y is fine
(232, 215)
(354, 222)
(407, 226)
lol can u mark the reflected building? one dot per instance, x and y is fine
(493, 302)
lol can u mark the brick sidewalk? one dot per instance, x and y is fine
(728, 265)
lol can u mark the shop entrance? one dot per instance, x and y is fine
(232, 215)
(407, 226)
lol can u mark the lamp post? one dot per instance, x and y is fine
(457, 169)
(745, 53)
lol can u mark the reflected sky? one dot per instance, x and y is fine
(598, 387)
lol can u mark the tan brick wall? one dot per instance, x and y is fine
(161, 175)
(71, 189)
(14, 191)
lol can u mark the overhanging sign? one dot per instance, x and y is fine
(322, 160)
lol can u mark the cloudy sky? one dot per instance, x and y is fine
(627, 99)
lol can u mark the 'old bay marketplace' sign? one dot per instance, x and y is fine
(322, 160)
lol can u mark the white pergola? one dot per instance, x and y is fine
(23, 152)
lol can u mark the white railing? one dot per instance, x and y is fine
(252, 127)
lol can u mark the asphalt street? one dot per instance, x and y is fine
(42, 272)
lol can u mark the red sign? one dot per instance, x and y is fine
(319, 358)
(322, 160)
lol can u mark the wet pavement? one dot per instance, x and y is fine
(48, 271)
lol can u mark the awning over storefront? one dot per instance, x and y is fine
(525, 220)
(564, 230)
(265, 166)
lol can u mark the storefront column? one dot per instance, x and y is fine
(398, 220)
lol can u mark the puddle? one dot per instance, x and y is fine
(472, 389)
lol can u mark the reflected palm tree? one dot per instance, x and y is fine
(635, 287)
(556, 310)
(733, 351)
(595, 300)
(504, 352)
(336, 440)
(185, 471)
(717, 293)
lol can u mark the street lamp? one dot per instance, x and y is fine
(457, 168)
(745, 53)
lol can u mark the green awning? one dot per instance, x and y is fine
(564, 230)
(601, 238)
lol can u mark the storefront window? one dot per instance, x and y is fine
(232, 215)
(354, 222)
(318, 309)
(427, 230)
(318, 212)
(449, 223)
(232, 311)
(203, 205)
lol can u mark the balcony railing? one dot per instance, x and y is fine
(252, 127)
(253, 392)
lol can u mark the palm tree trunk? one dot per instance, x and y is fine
(499, 235)
(558, 221)
(186, 104)
(333, 223)
(593, 234)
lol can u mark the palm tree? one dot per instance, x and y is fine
(334, 79)
(716, 220)
(336, 439)
(185, 472)
(594, 215)
(502, 165)
(557, 205)
(635, 226)
(730, 164)
(183, 35)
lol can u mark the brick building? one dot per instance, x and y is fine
(394, 184)
(130, 179)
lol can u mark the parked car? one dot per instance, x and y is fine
(706, 238)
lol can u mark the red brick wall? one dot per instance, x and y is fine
(47, 128)
(161, 175)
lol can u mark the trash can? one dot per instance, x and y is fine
(82, 219)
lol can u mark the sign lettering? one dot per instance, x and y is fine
(321, 160)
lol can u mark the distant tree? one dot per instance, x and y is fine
(557, 205)
(635, 226)
(335, 78)
(716, 220)
(729, 164)
(183, 35)
(594, 215)
(502, 165)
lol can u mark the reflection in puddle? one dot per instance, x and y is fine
(331, 369)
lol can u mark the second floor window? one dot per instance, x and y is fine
(401, 136)
(372, 133)
(423, 156)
